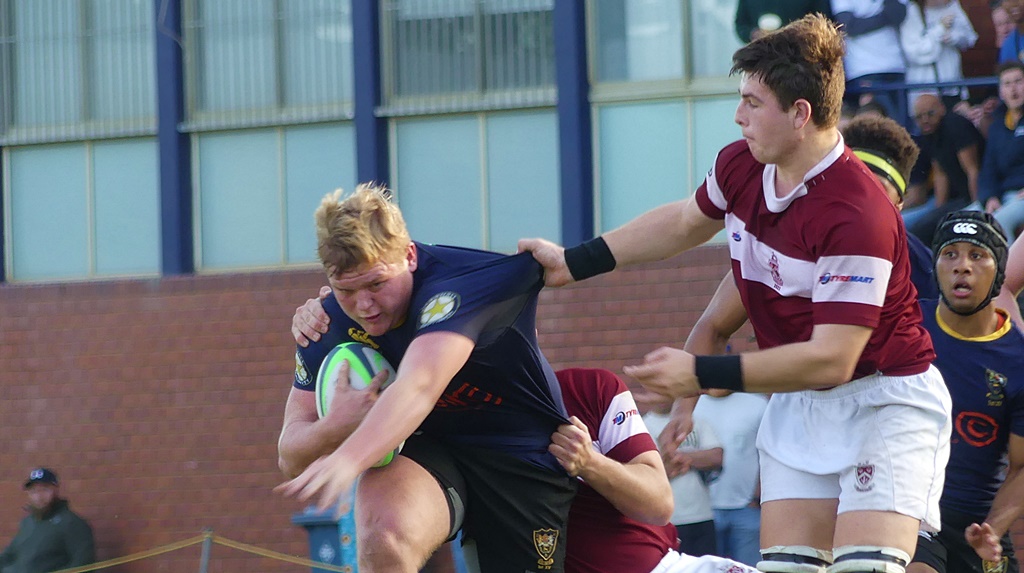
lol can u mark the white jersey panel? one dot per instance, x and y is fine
(621, 421)
(852, 278)
(760, 263)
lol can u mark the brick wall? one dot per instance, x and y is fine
(159, 401)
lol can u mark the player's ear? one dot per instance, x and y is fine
(412, 256)
(801, 112)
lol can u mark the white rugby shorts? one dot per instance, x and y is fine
(878, 443)
(675, 562)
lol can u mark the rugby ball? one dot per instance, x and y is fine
(364, 363)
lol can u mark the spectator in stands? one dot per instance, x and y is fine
(755, 18)
(932, 36)
(981, 114)
(1012, 48)
(689, 468)
(1001, 22)
(52, 536)
(736, 494)
(955, 147)
(873, 53)
(1001, 182)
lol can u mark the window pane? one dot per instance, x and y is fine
(49, 233)
(638, 40)
(644, 154)
(317, 51)
(436, 48)
(240, 199)
(519, 46)
(127, 200)
(469, 46)
(523, 178)
(438, 179)
(122, 68)
(713, 39)
(47, 62)
(318, 159)
(236, 55)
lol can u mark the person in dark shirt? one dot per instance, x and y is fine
(979, 354)
(460, 327)
(52, 536)
(955, 147)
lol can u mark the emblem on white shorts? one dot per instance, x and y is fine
(865, 477)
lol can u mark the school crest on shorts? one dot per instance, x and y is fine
(545, 541)
(995, 566)
(440, 307)
(865, 477)
(996, 383)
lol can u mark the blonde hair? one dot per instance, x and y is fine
(363, 228)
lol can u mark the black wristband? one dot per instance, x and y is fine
(589, 259)
(722, 372)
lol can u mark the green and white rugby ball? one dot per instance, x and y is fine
(364, 363)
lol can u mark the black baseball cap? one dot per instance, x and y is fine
(41, 475)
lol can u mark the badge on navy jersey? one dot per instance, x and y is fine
(301, 372)
(996, 387)
(440, 307)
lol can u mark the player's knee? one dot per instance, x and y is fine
(869, 559)
(382, 549)
(794, 559)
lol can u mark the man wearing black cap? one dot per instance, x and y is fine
(51, 537)
(979, 354)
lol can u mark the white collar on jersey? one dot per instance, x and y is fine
(779, 204)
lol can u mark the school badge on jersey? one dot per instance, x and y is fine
(996, 387)
(545, 541)
(440, 307)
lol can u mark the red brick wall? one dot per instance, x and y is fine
(159, 401)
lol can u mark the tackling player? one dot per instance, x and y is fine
(856, 435)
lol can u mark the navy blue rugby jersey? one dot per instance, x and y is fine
(506, 397)
(922, 268)
(985, 377)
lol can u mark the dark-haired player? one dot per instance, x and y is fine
(857, 431)
(981, 357)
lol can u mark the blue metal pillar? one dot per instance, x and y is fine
(574, 128)
(175, 160)
(371, 131)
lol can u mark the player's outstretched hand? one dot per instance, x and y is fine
(984, 541)
(572, 447)
(666, 371)
(310, 319)
(328, 477)
(551, 257)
